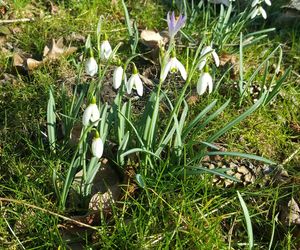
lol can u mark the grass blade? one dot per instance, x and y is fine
(243, 155)
(135, 150)
(248, 221)
(51, 121)
(237, 120)
(194, 122)
(211, 117)
(220, 172)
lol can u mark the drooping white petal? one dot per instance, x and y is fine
(254, 13)
(268, 2)
(117, 77)
(138, 85)
(206, 50)
(95, 116)
(204, 81)
(86, 116)
(210, 84)
(201, 86)
(91, 114)
(254, 3)
(204, 55)
(129, 84)
(166, 71)
(91, 66)
(105, 50)
(262, 12)
(97, 147)
(172, 66)
(181, 68)
(202, 63)
(135, 82)
(216, 58)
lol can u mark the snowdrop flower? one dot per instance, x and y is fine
(91, 66)
(173, 66)
(173, 24)
(117, 77)
(135, 81)
(97, 146)
(91, 114)
(105, 49)
(205, 81)
(204, 54)
(259, 11)
(256, 2)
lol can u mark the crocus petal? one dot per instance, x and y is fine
(216, 58)
(180, 22)
(173, 20)
(91, 66)
(97, 147)
(181, 69)
(117, 77)
(173, 24)
(138, 85)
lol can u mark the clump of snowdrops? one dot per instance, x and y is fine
(159, 145)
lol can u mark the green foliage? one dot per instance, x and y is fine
(176, 205)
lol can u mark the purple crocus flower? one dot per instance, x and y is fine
(173, 24)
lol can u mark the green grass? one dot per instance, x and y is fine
(171, 212)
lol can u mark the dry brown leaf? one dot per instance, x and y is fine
(75, 37)
(227, 58)
(294, 212)
(147, 81)
(291, 213)
(3, 10)
(24, 62)
(192, 100)
(2, 40)
(53, 8)
(295, 127)
(18, 61)
(57, 49)
(151, 39)
(33, 64)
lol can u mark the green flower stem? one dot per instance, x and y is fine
(156, 107)
(177, 105)
(69, 178)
